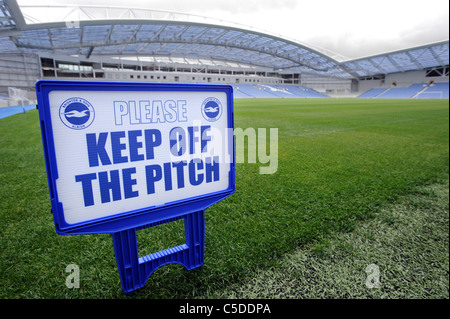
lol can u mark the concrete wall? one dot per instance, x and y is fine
(326, 85)
(19, 70)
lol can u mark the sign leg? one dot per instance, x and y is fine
(194, 227)
(125, 249)
(134, 271)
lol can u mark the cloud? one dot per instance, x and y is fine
(381, 28)
(197, 6)
(427, 32)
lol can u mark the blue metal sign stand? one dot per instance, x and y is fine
(134, 271)
(80, 110)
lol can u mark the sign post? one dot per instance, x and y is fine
(121, 157)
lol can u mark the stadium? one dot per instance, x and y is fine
(354, 136)
(126, 44)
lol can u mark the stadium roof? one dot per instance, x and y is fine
(417, 58)
(142, 33)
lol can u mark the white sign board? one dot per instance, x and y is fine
(117, 150)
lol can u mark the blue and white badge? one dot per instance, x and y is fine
(77, 113)
(212, 109)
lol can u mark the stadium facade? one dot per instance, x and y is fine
(133, 44)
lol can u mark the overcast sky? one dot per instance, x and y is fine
(353, 28)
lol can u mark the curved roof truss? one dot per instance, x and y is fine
(95, 31)
(417, 58)
(134, 32)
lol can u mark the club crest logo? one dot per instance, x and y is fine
(77, 113)
(212, 109)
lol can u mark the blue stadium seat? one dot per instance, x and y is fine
(303, 91)
(402, 93)
(416, 91)
(252, 91)
(372, 93)
(276, 90)
(435, 91)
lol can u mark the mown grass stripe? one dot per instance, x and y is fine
(325, 184)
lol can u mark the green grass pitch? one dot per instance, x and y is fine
(339, 162)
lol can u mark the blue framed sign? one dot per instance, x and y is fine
(125, 155)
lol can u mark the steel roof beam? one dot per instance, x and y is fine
(398, 66)
(415, 60)
(437, 57)
(15, 13)
(377, 66)
(242, 46)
